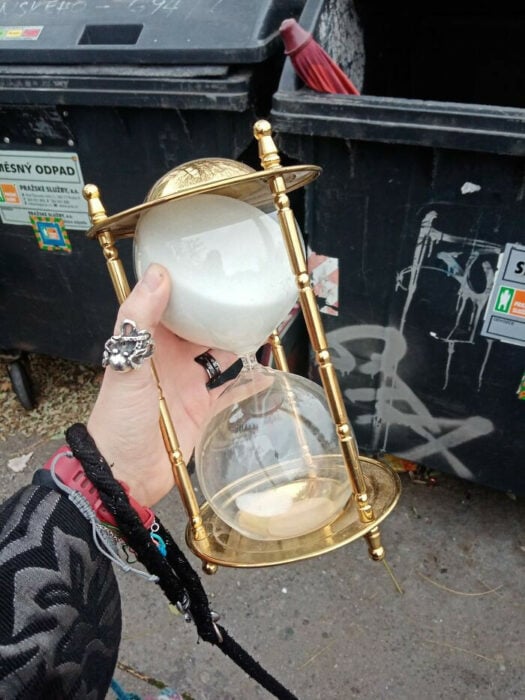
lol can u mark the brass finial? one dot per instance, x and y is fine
(208, 568)
(268, 153)
(96, 210)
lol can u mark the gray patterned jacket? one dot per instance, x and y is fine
(60, 617)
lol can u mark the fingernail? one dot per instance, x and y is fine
(153, 277)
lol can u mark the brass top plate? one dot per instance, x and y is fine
(252, 187)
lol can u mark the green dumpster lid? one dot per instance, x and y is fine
(142, 32)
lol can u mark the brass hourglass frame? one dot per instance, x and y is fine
(375, 487)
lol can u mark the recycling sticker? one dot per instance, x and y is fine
(505, 311)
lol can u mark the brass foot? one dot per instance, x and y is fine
(375, 548)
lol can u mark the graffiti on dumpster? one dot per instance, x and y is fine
(458, 258)
(381, 398)
(392, 403)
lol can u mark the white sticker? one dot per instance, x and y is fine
(324, 273)
(42, 185)
(505, 315)
(23, 33)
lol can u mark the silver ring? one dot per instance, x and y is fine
(129, 349)
(210, 364)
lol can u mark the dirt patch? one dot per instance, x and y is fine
(65, 391)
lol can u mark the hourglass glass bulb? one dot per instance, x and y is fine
(268, 460)
(231, 278)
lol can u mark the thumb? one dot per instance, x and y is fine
(147, 301)
(128, 403)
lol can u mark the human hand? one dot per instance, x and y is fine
(125, 419)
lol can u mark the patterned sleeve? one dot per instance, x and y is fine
(60, 618)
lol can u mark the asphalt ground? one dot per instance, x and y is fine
(450, 626)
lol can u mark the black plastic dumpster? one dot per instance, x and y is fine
(115, 96)
(416, 226)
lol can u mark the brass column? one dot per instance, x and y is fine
(97, 215)
(270, 159)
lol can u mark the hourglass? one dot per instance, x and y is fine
(277, 460)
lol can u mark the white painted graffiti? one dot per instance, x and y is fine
(392, 403)
(372, 353)
(457, 258)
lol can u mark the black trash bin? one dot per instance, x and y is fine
(419, 209)
(116, 96)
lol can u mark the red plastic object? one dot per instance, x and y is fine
(311, 62)
(71, 473)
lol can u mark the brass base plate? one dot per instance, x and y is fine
(226, 547)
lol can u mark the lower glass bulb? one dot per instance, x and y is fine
(269, 462)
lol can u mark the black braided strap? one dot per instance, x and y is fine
(116, 501)
(176, 575)
(200, 609)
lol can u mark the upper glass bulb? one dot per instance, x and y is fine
(231, 279)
